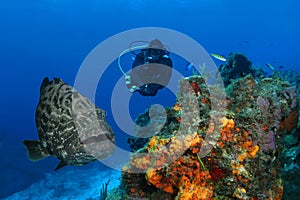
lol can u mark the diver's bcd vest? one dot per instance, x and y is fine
(152, 55)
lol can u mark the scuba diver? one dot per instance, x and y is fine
(151, 69)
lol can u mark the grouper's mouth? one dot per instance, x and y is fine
(97, 139)
(99, 146)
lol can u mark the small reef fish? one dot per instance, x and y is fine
(270, 66)
(70, 127)
(189, 66)
(219, 57)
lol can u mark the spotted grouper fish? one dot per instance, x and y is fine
(70, 127)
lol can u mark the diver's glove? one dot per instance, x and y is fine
(134, 88)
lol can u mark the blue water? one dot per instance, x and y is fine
(40, 38)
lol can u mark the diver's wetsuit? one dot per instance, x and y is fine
(151, 71)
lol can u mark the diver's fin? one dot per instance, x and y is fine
(35, 150)
(60, 165)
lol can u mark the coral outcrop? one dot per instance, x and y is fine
(231, 153)
(238, 66)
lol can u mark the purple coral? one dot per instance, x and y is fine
(263, 104)
(291, 94)
(268, 142)
(275, 122)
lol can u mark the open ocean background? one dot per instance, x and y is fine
(40, 38)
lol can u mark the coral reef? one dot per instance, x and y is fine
(239, 152)
(291, 141)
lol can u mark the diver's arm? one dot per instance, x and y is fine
(139, 59)
(167, 61)
(167, 72)
(133, 80)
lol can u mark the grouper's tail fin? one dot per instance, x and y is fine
(35, 150)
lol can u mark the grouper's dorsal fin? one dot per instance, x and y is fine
(60, 165)
(44, 84)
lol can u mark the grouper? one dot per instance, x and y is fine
(70, 127)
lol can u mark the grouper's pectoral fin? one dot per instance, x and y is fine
(35, 150)
(60, 165)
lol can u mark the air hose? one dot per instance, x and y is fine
(126, 51)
